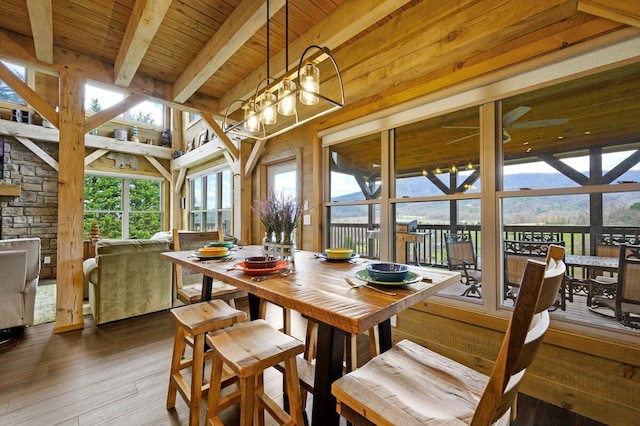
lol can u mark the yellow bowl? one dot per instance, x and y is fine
(213, 251)
(338, 253)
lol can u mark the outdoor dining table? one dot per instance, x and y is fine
(318, 291)
(592, 264)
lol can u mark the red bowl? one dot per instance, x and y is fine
(260, 262)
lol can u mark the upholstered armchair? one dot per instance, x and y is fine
(128, 278)
(19, 275)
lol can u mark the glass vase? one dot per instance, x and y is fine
(287, 246)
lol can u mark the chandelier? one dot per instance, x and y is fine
(295, 98)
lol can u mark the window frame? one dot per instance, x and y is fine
(219, 211)
(125, 193)
(486, 94)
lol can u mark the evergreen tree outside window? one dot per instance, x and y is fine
(147, 112)
(7, 94)
(123, 207)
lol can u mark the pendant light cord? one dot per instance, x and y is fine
(286, 36)
(268, 39)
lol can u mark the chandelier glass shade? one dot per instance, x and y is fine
(273, 110)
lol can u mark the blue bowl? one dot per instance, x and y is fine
(388, 272)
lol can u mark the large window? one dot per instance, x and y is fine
(7, 94)
(123, 207)
(147, 112)
(553, 163)
(211, 199)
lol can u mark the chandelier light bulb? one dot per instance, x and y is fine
(252, 121)
(287, 105)
(310, 82)
(267, 110)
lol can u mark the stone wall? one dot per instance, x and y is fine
(35, 212)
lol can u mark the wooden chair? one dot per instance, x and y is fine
(192, 323)
(626, 302)
(462, 257)
(248, 350)
(410, 384)
(191, 293)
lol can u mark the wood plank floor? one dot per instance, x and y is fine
(117, 374)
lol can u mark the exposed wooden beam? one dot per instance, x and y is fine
(143, 24)
(69, 280)
(31, 97)
(12, 128)
(182, 174)
(338, 27)
(155, 163)
(245, 20)
(99, 118)
(224, 139)
(252, 161)
(565, 169)
(31, 146)
(623, 11)
(17, 47)
(94, 156)
(41, 28)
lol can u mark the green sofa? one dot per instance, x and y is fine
(128, 278)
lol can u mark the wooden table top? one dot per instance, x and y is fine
(318, 288)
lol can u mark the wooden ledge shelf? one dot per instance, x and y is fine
(10, 190)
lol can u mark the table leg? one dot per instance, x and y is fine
(328, 369)
(384, 335)
(207, 284)
(254, 307)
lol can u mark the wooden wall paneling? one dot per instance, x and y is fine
(46, 85)
(318, 190)
(495, 63)
(70, 201)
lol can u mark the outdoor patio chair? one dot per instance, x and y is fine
(410, 384)
(626, 302)
(516, 254)
(462, 257)
(604, 283)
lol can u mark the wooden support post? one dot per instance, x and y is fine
(70, 202)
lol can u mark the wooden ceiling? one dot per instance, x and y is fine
(204, 54)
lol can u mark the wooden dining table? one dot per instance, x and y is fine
(318, 290)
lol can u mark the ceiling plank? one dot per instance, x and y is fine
(143, 24)
(31, 97)
(337, 28)
(228, 143)
(17, 47)
(247, 18)
(41, 28)
(99, 118)
(624, 11)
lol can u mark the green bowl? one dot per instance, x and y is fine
(338, 253)
(227, 244)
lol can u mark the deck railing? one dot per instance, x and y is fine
(431, 249)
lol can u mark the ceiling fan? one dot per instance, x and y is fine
(508, 123)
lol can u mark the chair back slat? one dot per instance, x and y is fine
(523, 336)
(186, 240)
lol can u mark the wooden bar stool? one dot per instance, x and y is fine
(248, 350)
(192, 324)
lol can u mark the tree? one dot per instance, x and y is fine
(95, 106)
(144, 118)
